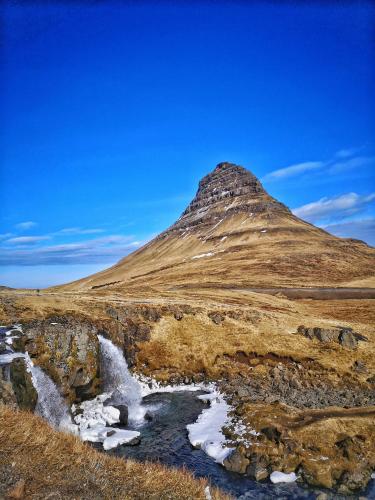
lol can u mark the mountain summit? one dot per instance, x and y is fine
(234, 234)
(230, 189)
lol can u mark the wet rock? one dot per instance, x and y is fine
(149, 417)
(124, 414)
(22, 384)
(236, 462)
(3, 347)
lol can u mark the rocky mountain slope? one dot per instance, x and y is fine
(235, 235)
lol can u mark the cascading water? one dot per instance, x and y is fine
(51, 405)
(118, 380)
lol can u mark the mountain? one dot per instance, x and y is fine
(234, 234)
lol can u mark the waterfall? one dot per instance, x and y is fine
(118, 380)
(51, 405)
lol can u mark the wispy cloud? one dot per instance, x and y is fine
(298, 168)
(107, 249)
(26, 225)
(343, 160)
(351, 164)
(26, 240)
(337, 207)
(362, 229)
(77, 231)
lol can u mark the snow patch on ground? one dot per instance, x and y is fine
(206, 433)
(281, 477)
(200, 256)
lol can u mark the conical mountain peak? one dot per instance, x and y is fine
(234, 234)
(228, 189)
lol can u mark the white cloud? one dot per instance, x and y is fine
(351, 164)
(106, 249)
(337, 207)
(77, 230)
(361, 229)
(26, 240)
(26, 225)
(298, 168)
(346, 153)
(342, 161)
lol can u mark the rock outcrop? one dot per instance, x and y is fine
(341, 335)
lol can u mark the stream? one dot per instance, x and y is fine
(160, 419)
(165, 439)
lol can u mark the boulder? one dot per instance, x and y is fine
(257, 472)
(348, 339)
(124, 414)
(236, 462)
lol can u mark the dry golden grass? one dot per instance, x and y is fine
(57, 465)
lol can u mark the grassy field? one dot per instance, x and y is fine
(38, 462)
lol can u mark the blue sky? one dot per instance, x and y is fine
(112, 112)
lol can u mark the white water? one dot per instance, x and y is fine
(119, 382)
(51, 405)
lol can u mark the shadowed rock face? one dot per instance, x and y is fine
(227, 190)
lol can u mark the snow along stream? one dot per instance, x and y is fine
(171, 409)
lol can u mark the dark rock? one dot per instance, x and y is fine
(3, 347)
(23, 388)
(111, 433)
(271, 433)
(178, 315)
(148, 416)
(236, 462)
(124, 414)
